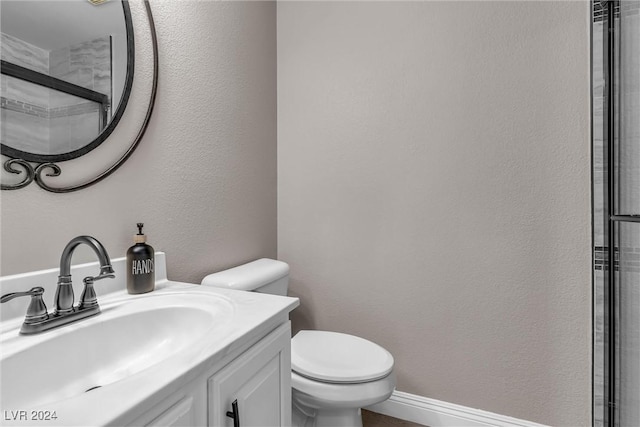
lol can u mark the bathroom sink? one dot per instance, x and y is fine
(129, 337)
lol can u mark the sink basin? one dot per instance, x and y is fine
(127, 338)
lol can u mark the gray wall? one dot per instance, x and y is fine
(204, 177)
(434, 193)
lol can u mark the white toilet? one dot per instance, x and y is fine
(333, 374)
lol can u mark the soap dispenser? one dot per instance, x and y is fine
(140, 265)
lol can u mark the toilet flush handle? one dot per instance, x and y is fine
(235, 414)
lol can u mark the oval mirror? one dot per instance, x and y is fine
(67, 71)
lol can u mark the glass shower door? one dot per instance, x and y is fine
(615, 53)
(626, 209)
(616, 193)
(628, 306)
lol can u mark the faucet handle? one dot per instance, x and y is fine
(38, 290)
(89, 297)
(37, 310)
(99, 277)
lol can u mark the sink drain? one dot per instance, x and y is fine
(92, 388)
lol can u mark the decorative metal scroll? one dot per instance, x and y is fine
(37, 172)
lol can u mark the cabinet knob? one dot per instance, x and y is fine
(234, 414)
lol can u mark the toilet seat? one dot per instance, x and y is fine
(338, 358)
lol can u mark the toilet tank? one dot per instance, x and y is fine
(264, 275)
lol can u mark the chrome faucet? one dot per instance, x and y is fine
(38, 319)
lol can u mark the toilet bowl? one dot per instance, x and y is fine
(333, 374)
(317, 404)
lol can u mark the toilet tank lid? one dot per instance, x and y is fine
(250, 276)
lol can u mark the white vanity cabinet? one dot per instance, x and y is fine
(258, 380)
(177, 356)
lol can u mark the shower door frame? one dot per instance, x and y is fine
(613, 219)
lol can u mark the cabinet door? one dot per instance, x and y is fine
(259, 381)
(181, 414)
(184, 408)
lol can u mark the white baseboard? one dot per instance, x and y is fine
(436, 413)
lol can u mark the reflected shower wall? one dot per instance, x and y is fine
(42, 120)
(61, 124)
(86, 64)
(25, 114)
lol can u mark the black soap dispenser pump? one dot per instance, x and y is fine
(141, 276)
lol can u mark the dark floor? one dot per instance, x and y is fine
(372, 419)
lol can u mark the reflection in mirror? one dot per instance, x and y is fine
(65, 123)
(66, 72)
